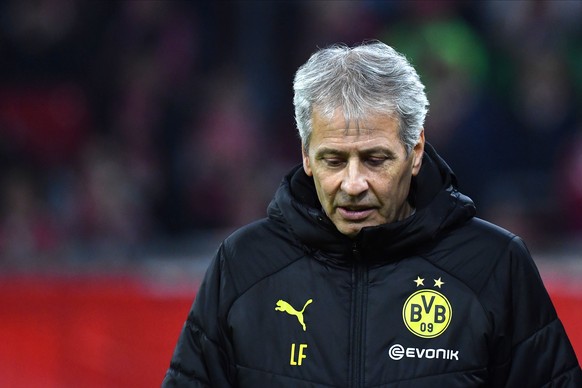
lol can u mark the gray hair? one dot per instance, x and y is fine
(366, 79)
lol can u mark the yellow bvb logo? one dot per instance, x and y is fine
(427, 313)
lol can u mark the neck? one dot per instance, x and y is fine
(406, 211)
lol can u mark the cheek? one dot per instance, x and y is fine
(394, 185)
(403, 183)
(326, 190)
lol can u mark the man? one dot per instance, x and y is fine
(371, 269)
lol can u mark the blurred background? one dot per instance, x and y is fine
(136, 135)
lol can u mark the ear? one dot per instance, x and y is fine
(417, 153)
(306, 164)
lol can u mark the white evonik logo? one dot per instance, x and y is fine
(398, 352)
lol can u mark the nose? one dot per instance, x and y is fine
(354, 181)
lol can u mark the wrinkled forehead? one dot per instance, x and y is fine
(339, 118)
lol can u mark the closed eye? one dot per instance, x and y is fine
(333, 162)
(376, 161)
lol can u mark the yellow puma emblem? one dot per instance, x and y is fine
(286, 307)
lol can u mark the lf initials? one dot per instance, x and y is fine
(297, 357)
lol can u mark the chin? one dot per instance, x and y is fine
(350, 232)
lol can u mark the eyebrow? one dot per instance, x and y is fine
(368, 151)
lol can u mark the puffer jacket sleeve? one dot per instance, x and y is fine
(203, 353)
(540, 354)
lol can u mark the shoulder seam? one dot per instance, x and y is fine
(240, 293)
(476, 293)
(292, 261)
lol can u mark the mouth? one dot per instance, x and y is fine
(355, 213)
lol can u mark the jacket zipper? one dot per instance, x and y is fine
(359, 297)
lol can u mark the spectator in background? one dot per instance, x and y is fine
(569, 187)
(110, 220)
(30, 237)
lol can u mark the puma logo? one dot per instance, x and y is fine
(286, 307)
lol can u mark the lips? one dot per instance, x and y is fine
(354, 213)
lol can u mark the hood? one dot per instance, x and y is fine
(439, 208)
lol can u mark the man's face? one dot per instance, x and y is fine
(362, 173)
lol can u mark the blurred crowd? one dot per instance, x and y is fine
(126, 126)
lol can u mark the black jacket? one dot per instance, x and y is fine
(440, 299)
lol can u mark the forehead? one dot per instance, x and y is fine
(373, 127)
